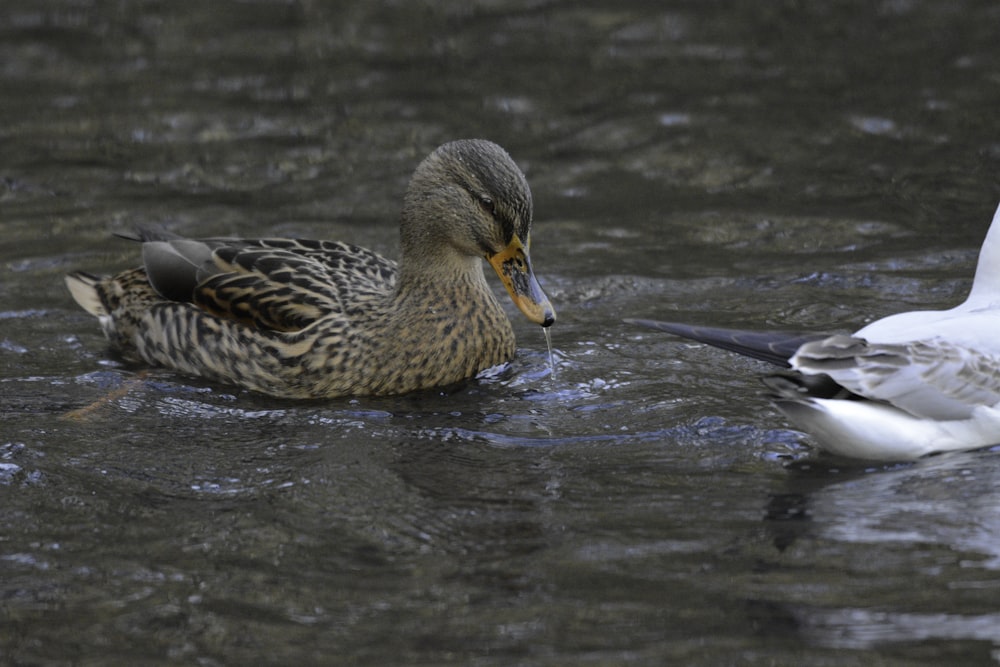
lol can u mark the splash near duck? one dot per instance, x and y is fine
(322, 319)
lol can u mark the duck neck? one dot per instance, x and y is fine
(440, 279)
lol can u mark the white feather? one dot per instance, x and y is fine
(932, 378)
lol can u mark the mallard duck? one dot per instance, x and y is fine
(905, 386)
(320, 319)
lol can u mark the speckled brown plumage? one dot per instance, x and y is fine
(310, 319)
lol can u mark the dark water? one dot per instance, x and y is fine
(803, 165)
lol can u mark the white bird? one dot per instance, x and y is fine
(905, 386)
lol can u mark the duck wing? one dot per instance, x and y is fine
(276, 284)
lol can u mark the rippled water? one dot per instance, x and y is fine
(801, 165)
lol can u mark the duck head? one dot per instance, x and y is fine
(468, 200)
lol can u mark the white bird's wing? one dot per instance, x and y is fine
(934, 378)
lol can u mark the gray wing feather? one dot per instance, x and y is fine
(176, 267)
(928, 378)
(775, 347)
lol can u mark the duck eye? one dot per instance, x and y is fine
(487, 205)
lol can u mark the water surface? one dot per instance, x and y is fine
(799, 165)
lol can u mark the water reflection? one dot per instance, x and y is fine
(929, 527)
(947, 501)
(867, 629)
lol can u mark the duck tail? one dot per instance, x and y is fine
(84, 288)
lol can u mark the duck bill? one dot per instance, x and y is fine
(514, 268)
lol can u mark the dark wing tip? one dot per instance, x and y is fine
(796, 387)
(774, 347)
